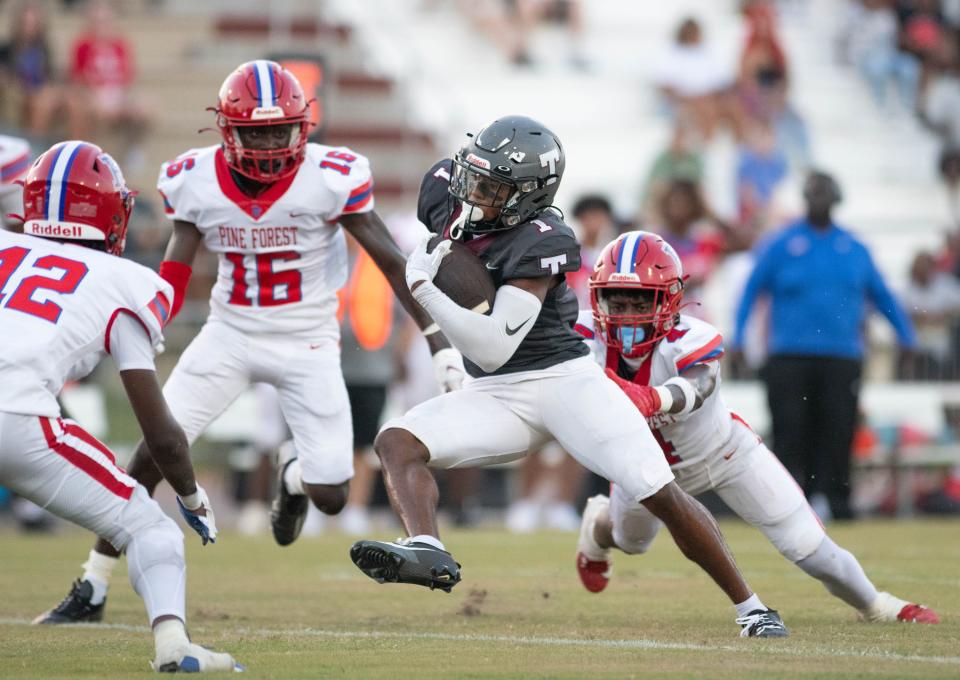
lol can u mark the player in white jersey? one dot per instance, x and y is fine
(270, 206)
(63, 307)
(668, 364)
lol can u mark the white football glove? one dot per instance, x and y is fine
(448, 369)
(205, 524)
(423, 266)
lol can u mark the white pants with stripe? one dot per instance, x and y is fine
(59, 466)
(502, 418)
(751, 481)
(221, 362)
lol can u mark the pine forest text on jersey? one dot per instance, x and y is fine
(257, 237)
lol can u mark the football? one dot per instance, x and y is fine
(464, 278)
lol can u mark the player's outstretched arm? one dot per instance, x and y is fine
(163, 436)
(371, 233)
(169, 449)
(678, 396)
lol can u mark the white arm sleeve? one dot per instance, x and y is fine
(487, 341)
(130, 345)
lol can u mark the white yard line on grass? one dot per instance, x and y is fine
(533, 641)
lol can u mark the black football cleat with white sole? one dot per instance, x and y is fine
(404, 561)
(288, 511)
(763, 624)
(75, 607)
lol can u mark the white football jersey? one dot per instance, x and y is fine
(685, 440)
(282, 255)
(58, 303)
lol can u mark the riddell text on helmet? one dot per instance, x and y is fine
(61, 230)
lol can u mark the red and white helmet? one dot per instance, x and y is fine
(637, 260)
(75, 192)
(263, 93)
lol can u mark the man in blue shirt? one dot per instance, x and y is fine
(819, 278)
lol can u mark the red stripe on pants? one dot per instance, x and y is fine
(80, 460)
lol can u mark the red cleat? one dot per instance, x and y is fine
(595, 574)
(914, 613)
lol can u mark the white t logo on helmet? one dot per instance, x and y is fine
(549, 160)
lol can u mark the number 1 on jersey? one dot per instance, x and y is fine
(10, 259)
(268, 280)
(666, 446)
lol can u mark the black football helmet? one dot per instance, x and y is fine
(514, 164)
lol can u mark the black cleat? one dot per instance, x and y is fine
(287, 512)
(406, 562)
(75, 608)
(762, 623)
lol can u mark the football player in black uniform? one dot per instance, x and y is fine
(533, 380)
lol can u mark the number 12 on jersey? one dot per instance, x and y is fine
(271, 287)
(22, 297)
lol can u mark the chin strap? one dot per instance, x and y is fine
(468, 213)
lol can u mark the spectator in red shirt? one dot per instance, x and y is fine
(103, 72)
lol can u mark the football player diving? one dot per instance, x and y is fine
(668, 364)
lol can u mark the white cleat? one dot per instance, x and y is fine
(889, 608)
(593, 562)
(192, 658)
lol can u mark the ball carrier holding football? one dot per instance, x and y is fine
(655, 354)
(270, 205)
(533, 380)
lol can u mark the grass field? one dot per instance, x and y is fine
(306, 612)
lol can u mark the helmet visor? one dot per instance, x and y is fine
(473, 186)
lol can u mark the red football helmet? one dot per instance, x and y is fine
(637, 261)
(263, 93)
(76, 192)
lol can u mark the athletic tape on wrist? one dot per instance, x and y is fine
(689, 394)
(666, 398)
(191, 502)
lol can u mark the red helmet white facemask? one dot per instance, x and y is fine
(260, 93)
(76, 192)
(637, 261)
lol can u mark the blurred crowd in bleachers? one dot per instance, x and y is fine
(908, 52)
(93, 94)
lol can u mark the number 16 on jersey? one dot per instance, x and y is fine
(272, 284)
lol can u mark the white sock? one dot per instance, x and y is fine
(97, 570)
(168, 636)
(293, 478)
(751, 604)
(840, 573)
(429, 540)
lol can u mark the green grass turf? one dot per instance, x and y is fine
(306, 612)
